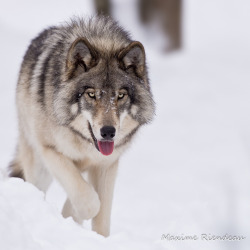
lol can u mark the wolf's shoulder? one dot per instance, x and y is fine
(38, 44)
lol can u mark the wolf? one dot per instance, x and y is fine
(83, 93)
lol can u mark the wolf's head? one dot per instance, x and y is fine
(105, 96)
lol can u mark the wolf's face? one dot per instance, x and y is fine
(104, 97)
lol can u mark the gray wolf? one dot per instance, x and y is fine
(82, 94)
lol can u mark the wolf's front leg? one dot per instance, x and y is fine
(82, 196)
(103, 179)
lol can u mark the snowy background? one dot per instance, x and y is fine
(188, 173)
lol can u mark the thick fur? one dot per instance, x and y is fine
(59, 123)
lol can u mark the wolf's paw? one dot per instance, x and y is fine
(88, 205)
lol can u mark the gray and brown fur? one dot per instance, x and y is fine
(59, 123)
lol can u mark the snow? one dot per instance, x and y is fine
(186, 174)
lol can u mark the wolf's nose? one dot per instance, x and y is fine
(108, 132)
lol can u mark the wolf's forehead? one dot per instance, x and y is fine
(110, 79)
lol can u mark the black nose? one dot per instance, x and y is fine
(108, 132)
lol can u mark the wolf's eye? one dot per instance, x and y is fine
(120, 96)
(91, 94)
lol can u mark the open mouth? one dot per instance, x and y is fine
(105, 147)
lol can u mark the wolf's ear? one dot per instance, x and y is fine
(81, 57)
(133, 56)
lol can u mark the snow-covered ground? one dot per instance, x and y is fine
(188, 173)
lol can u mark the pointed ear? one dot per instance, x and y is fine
(81, 57)
(133, 56)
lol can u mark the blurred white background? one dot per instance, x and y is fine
(188, 173)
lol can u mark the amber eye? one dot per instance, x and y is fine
(91, 94)
(120, 96)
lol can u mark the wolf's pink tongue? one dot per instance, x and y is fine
(106, 147)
